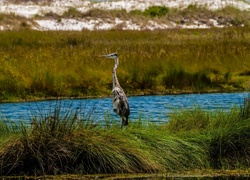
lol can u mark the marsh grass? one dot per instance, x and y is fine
(60, 143)
(53, 64)
(225, 134)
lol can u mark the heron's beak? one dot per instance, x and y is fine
(107, 55)
(111, 56)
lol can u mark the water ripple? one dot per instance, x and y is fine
(151, 108)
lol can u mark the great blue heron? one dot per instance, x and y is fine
(120, 101)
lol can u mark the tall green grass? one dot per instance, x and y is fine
(60, 143)
(53, 64)
(226, 134)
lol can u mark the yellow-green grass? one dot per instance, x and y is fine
(193, 140)
(52, 64)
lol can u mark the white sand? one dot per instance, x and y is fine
(30, 9)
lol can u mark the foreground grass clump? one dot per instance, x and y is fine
(61, 143)
(57, 144)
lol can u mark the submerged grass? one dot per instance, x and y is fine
(55, 64)
(62, 143)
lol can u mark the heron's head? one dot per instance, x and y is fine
(112, 55)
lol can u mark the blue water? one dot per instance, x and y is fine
(151, 108)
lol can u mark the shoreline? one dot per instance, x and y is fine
(37, 99)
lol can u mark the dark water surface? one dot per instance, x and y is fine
(150, 108)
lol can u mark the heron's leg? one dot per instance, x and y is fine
(121, 122)
(124, 121)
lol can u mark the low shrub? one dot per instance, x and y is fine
(156, 11)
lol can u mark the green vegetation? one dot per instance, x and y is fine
(52, 64)
(156, 11)
(60, 143)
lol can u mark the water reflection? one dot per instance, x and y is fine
(151, 108)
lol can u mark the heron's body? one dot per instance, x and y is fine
(120, 101)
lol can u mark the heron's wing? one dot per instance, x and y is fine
(121, 102)
(124, 105)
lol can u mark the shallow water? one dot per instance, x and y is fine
(151, 108)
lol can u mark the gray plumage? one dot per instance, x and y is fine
(120, 101)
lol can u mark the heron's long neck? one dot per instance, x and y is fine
(115, 79)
